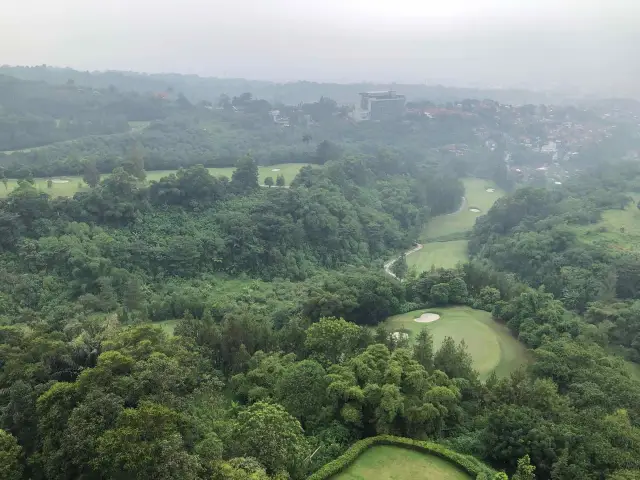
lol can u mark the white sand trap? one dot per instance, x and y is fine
(427, 318)
(400, 335)
(57, 180)
(558, 183)
(491, 190)
(275, 169)
(474, 210)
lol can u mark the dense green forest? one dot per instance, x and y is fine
(202, 327)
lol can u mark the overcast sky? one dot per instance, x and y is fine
(591, 44)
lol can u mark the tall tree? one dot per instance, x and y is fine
(423, 349)
(525, 470)
(268, 182)
(146, 443)
(10, 453)
(91, 175)
(134, 163)
(245, 177)
(400, 267)
(269, 434)
(280, 182)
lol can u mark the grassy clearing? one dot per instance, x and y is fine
(289, 170)
(439, 254)
(618, 229)
(168, 325)
(489, 343)
(68, 189)
(396, 463)
(476, 196)
(634, 369)
(448, 254)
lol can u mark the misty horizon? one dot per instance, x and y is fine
(586, 47)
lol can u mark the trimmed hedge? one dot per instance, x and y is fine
(466, 463)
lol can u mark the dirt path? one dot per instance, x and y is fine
(387, 266)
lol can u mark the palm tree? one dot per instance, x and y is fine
(306, 138)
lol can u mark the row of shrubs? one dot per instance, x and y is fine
(471, 465)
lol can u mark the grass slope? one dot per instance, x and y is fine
(618, 229)
(289, 170)
(477, 196)
(439, 254)
(448, 254)
(489, 343)
(396, 463)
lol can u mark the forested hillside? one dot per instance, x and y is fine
(209, 327)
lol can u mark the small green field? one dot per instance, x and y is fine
(618, 229)
(476, 196)
(68, 186)
(448, 254)
(289, 170)
(634, 369)
(396, 463)
(489, 343)
(439, 254)
(168, 326)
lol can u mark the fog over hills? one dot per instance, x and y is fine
(579, 47)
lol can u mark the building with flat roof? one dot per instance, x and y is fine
(380, 105)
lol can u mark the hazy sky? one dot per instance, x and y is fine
(593, 44)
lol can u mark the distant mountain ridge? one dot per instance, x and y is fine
(198, 88)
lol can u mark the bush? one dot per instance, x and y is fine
(411, 306)
(471, 465)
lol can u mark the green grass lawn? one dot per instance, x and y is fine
(289, 170)
(395, 463)
(448, 254)
(634, 369)
(618, 229)
(489, 343)
(477, 196)
(439, 254)
(167, 325)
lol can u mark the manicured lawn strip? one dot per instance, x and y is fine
(389, 463)
(477, 196)
(289, 170)
(439, 254)
(465, 463)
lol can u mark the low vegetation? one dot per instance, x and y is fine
(394, 457)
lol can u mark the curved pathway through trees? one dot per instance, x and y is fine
(389, 264)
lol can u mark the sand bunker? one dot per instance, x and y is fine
(400, 335)
(428, 318)
(57, 180)
(474, 210)
(491, 190)
(275, 169)
(558, 183)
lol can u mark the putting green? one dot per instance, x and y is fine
(396, 463)
(489, 343)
